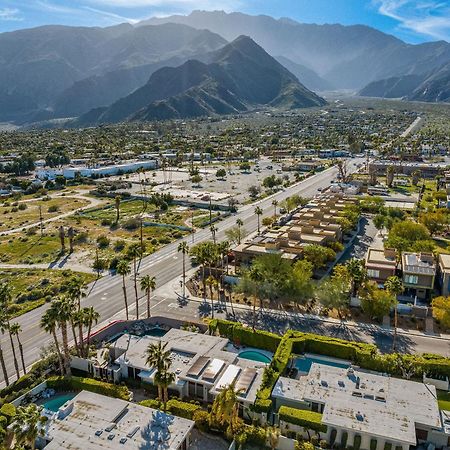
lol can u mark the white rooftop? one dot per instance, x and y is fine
(379, 405)
(94, 422)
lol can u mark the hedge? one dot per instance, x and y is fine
(88, 384)
(174, 406)
(303, 418)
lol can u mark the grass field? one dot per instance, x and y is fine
(33, 287)
(23, 249)
(444, 400)
(17, 214)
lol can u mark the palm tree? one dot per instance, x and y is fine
(123, 268)
(211, 282)
(91, 317)
(394, 285)
(225, 410)
(199, 252)
(135, 251)
(357, 272)
(148, 283)
(184, 249)
(28, 424)
(164, 378)
(15, 329)
(49, 323)
(273, 435)
(64, 314)
(159, 358)
(274, 204)
(117, 200)
(75, 290)
(5, 301)
(79, 321)
(239, 224)
(258, 212)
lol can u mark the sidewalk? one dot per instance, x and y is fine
(173, 289)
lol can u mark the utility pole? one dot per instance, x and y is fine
(192, 224)
(141, 237)
(210, 210)
(40, 220)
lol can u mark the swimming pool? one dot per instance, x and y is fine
(254, 355)
(156, 332)
(304, 363)
(53, 404)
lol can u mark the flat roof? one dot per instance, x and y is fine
(84, 423)
(444, 260)
(418, 263)
(378, 257)
(379, 405)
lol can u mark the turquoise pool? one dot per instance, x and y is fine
(254, 355)
(54, 403)
(304, 363)
(156, 332)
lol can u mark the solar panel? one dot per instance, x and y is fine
(197, 367)
(213, 369)
(245, 381)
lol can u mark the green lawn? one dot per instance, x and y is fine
(444, 400)
(22, 249)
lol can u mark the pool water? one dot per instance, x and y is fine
(253, 355)
(53, 404)
(156, 332)
(304, 363)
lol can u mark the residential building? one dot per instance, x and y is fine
(427, 170)
(419, 271)
(374, 409)
(95, 422)
(444, 274)
(381, 264)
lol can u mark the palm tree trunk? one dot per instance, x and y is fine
(65, 348)
(58, 351)
(125, 295)
(204, 282)
(80, 334)
(394, 341)
(16, 364)
(160, 393)
(258, 223)
(135, 288)
(148, 303)
(88, 339)
(2, 363)
(21, 354)
(184, 275)
(77, 348)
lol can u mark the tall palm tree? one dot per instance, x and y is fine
(211, 282)
(158, 357)
(274, 204)
(213, 230)
(28, 424)
(164, 378)
(239, 224)
(49, 323)
(394, 285)
(15, 329)
(258, 212)
(75, 290)
(199, 252)
(123, 268)
(184, 249)
(91, 317)
(79, 321)
(64, 313)
(135, 251)
(148, 283)
(5, 302)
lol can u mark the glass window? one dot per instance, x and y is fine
(411, 279)
(372, 273)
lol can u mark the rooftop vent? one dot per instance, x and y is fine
(323, 383)
(341, 383)
(359, 417)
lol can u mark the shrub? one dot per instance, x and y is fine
(303, 418)
(102, 241)
(201, 419)
(88, 384)
(256, 435)
(151, 403)
(53, 208)
(23, 207)
(8, 411)
(182, 409)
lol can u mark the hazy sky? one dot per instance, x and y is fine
(410, 20)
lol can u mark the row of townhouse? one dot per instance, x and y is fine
(316, 223)
(421, 273)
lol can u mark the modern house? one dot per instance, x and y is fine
(419, 271)
(444, 274)
(365, 410)
(381, 264)
(95, 422)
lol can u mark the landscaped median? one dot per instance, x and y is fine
(361, 354)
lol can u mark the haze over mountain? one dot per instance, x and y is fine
(345, 56)
(239, 77)
(63, 71)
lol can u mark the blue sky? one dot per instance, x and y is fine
(411, 20)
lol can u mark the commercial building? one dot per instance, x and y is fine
(419, 271)
(365, 410)
(93, 422)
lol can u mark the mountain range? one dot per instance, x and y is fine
(239, 77)
(59, 71)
